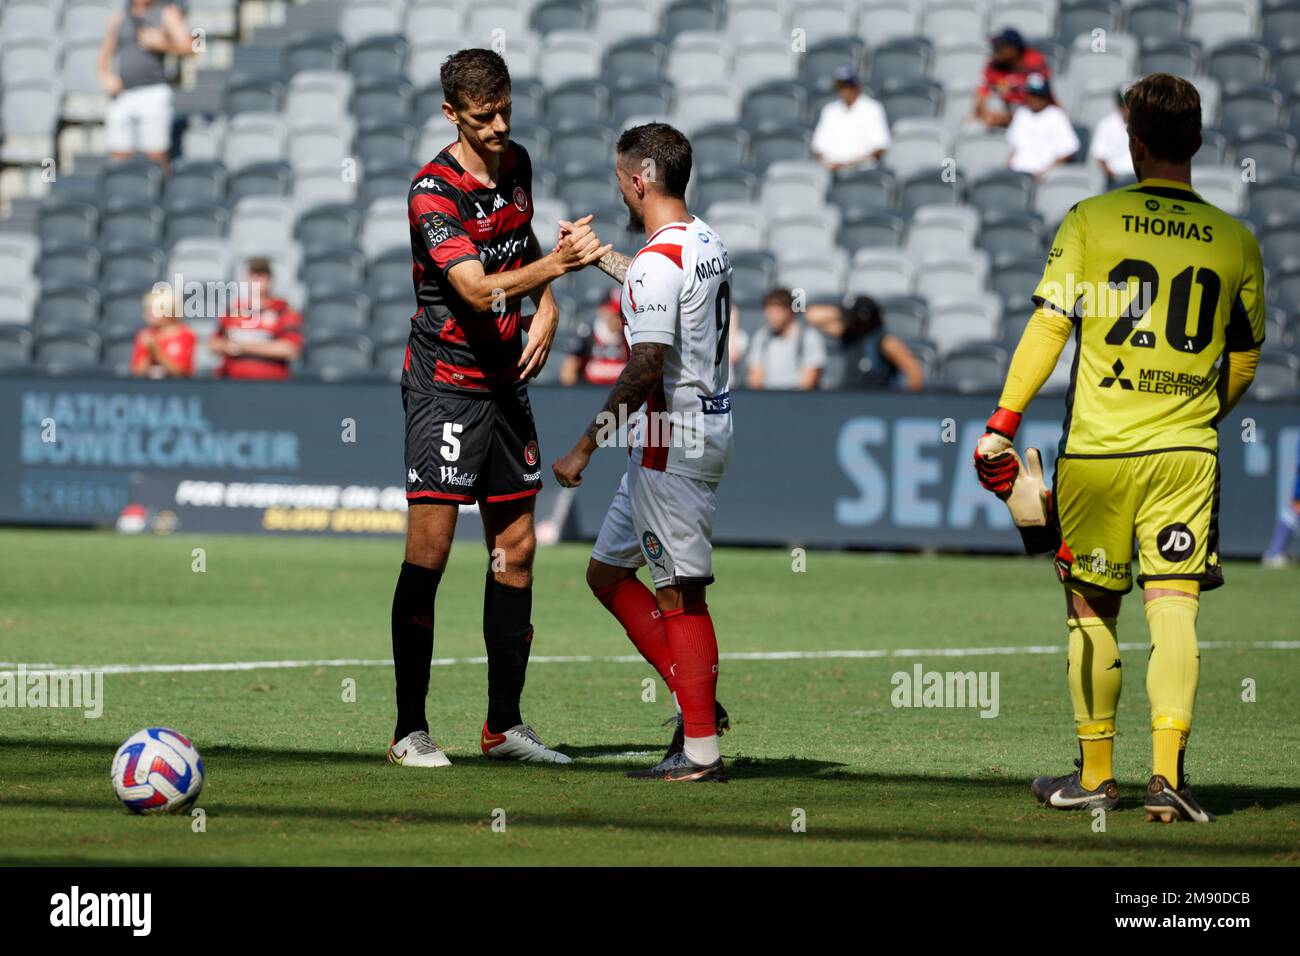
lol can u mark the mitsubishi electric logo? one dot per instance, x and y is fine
(1109, 380)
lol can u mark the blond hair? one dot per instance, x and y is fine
(161, 301)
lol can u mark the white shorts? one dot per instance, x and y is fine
(662, 519)
(139, 120)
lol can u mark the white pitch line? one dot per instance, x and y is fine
(6, 667)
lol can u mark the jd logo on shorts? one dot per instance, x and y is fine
(1176, 542)
(530, 453)
(653, 549)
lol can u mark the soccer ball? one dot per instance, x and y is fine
(157, 771)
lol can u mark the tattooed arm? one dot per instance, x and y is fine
(614, 264)
(643, 371)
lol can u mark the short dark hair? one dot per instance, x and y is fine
(862, 317)
(781, 297)
(475, 75)
(667, 148)
(259, 266)
(1164, 112)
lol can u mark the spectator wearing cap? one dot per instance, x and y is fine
(133, 72)
(787, 354)
(852, 130)
(1002, 89)
(1040, 135)
(164, 348)
(1109, 146)
(861, 353)
(262, 336)
(599, 352)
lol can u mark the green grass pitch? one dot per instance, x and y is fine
(296, 774)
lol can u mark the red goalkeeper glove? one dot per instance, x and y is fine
(996, 462)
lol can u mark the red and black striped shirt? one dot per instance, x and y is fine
(454, 217)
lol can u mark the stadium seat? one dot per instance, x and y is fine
(1214, 149)
(1280, 243)
(1223, 187)
(745, 19)
(825, 56)
(1012, 235)
(30, 55)
(390, 320)
(1031, 18)
(643, 101)
(384, 181)
(881, 272)
(18, 254)
(943, 231)
(954, 278)
(1281, 25)
(132, 225)
(258, 222)
(1015, 279)
(700, 56)
(204, 260)
(15, 347)
(1239, 62)
(684, 16)
(29, 116)
(905, 315)
(332, 266)
(818, 274)
(1062, 187)
(954, 324)
(1082, 17)
(927, 189)
(339, 309)
(254, 94)
(774, 103)
(579, 146)
(195, 220)
(27, 18)
(69, 220)
(861, 190)
(254, 138)
(1277, 377)
(116, 355)
(633, 59)
(133, 267)
(65, 351)
(389, 361)
(872, 228)
(322, 143)
(744, 225)
(274, 179)
(943, 21)
(1277, 199)
(756, 61)
(978, 367)
(1003, 191)
(1250, 109)
(708, 104)
(918, 146)
(388, 272)
(1273, 152)
(752, 275)
(778, 143)
(802, 231)
(568, 55)
(18, 296)
(883, 22)
(68, 260)
(912, 99)
(67, 305)
(794, 184)
(1170, 54)
(1214, 21)
(194, 181)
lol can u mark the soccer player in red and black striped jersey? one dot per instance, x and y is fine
(469, 427)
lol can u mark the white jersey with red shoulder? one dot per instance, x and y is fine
(678, 293)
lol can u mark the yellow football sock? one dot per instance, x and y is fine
(1173, 670)
(1095, 682)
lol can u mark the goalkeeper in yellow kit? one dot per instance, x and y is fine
(1164, 295)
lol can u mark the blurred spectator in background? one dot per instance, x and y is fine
(164, 348)
(140, 36)
(1287, 522)
(1002, 89)
(601, 351)
(852, 130)
(1109, 146)
(787, 354)
(1040, 135)
(262, 336)
(861, 353)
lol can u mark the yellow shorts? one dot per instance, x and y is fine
(1168, 500)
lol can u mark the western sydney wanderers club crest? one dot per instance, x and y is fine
(521, 199)
(530, 454)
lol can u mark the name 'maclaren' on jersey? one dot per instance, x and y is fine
(454, 217)
(678, 293)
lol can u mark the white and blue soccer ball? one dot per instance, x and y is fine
(157, 771)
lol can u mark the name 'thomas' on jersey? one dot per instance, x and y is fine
(1159, 284)
(678, 293)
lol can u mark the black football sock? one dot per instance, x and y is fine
(413, 644)
(508, 634)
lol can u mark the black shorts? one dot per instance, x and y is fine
(462, 449)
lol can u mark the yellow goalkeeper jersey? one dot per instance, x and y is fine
(1159, 284)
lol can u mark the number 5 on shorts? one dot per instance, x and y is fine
(451, 450)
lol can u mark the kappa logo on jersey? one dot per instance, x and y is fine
(530, 454)
(497, 202)
(1176, 542)
(450, 475)
(428, 182)
(654, 550)
(1109, 380)
(412, 477)
(521, 199)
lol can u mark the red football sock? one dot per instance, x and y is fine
(634, 605)
(694, 648)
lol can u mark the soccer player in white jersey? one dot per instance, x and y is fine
(676, 310)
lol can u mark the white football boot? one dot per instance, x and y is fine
(417, 750)
(519, 743)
